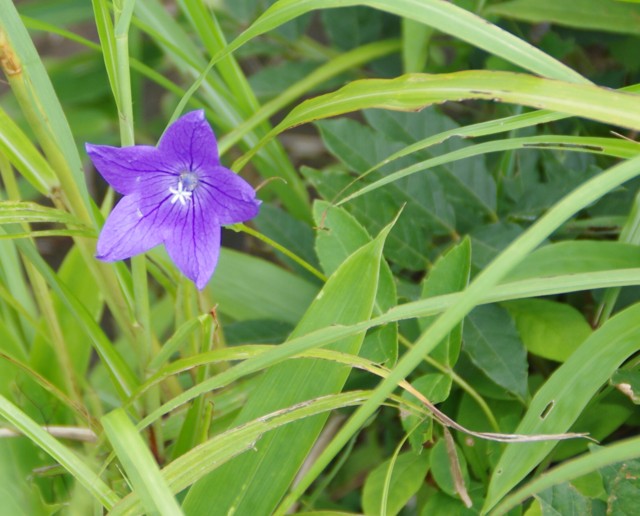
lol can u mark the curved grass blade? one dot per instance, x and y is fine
(140, 466)
(606, 146)
(620, 451)
(218, 450)
(336, 66)
(559, 402)
(66, 458)
(416, 91)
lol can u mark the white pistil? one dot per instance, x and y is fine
(180, 194)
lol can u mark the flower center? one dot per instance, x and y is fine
(187, 183)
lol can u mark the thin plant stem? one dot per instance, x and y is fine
(304, 264)
(461, 383)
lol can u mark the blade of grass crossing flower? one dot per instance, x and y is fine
(347, 297)
(559, 402)
(580, 198)
(139, 465)
(76, 466)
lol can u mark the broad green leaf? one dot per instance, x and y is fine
(449, 274)
(338, 236)
(559, 402)
(436, 388)
(492, 342)
(599, 457)
(549, 329)
(563, 499)
(347, 297)
(622, 484)
(601, 15)
(139, 465)
(441, 467)
(246, 287)
(408, 474)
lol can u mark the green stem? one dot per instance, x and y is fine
(461, 382)
(307, 266)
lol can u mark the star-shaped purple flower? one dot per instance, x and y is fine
(177, 194)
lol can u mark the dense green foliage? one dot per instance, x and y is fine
(435, 312)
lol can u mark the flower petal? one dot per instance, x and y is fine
(190, 142)
(127, 169)
(194, 245)
(128, 231)
(227, 197)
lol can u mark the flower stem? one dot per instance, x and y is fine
(304, 264)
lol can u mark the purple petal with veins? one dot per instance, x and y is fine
(176, 194)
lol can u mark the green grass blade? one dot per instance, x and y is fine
(559, 402)
(626, 450)
(46, 102)
(614, 147)
(23, 155)
(65, 457)
(13, 212)
(600, 15)
(416, 91)
(139, 465)
(218, 450)
(347, 297)
(332, 68)
(443, 16)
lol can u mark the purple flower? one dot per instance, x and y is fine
(177, 194)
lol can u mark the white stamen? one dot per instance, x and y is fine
(180, 194)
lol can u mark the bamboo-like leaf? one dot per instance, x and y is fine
(415, 91)
(139, 465)
(347, 297)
